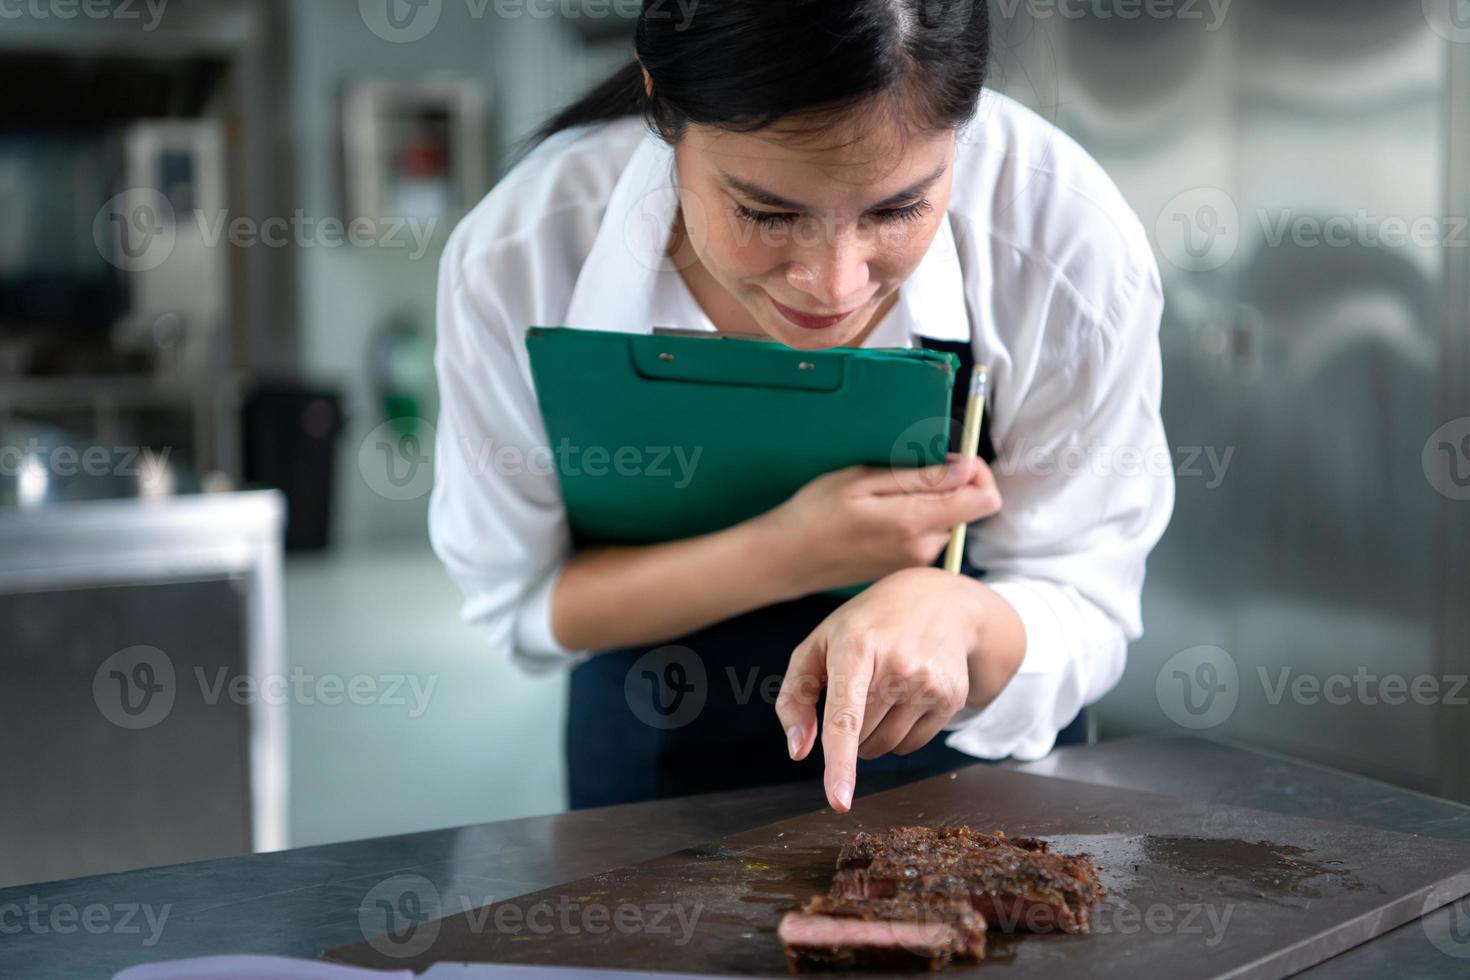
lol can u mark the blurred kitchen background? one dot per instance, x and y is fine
(220, 222)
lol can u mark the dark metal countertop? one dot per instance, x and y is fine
(301, 902)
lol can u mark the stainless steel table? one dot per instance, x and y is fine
(298, 903)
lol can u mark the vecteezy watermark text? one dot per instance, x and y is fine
(407, 21)
(138, 230)
(1363, 687)
(401, 916)
(396, 459)
(1097, 459)
(1202, 229)
(1201, 687)
(125, 461)
(1211, 12)
(40, 918)
(137, 688)
(149, 12)
(669, 687)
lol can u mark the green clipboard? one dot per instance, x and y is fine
(657, 437)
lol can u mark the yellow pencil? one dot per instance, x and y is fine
(969, 449)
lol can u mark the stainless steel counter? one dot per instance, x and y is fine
(299, 903)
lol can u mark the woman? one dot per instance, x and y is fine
(824, 173)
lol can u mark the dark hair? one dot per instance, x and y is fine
(741, 65)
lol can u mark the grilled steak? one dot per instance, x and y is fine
(921, 896)
(1016, 883)
(892, 933)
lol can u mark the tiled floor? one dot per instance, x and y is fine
(475, 740)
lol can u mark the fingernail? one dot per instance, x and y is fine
(793, 741)
(843, 792)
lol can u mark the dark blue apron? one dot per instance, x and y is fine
(697, 714)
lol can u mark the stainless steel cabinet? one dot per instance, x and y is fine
(137, 639)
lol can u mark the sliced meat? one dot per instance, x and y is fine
(839, 933)
(1017, 884)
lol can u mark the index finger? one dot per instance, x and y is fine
(849, 674)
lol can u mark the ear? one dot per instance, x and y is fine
(647, 81)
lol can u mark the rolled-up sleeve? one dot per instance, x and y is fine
(496, 517)
(1087, 479)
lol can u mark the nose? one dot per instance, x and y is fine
(834, 273)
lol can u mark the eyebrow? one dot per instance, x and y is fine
(762, 196)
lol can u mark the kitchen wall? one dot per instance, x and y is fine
(487, 743)
(528, 65)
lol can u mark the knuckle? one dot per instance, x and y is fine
(865, 641)
(954, 695)
(845, 720)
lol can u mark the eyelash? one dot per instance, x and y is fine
(909, 212)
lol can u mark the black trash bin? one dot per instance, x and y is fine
(290, 444)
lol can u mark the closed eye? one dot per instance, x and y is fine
(765, 218)
(909, 212)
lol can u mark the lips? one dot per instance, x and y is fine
(808, 321)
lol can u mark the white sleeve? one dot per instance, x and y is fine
(496, 517)
(1087, 484)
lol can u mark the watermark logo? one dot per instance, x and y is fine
(1447, 925)
(1450, 19)
(1199, 230)
(396, 459)
(1446, 459)
(138, 230)
(411, 234)
(646, 229)
(135, 688)
(922, 445)
(666, 688)
(1199, 687)
(1209, 463)
(401, 21)
(135, 230)
(400, 917)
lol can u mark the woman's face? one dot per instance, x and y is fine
(811, 237)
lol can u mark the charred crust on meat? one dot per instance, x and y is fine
(925, 896)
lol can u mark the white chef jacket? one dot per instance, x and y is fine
(1041, 265)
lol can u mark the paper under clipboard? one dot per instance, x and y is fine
(660, 437)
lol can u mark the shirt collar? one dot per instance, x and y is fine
(626, 270)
